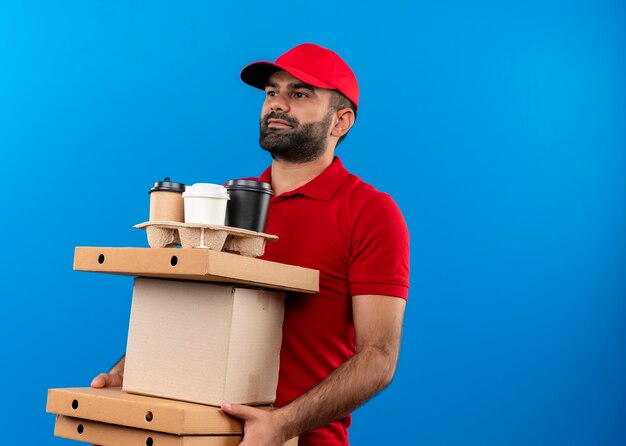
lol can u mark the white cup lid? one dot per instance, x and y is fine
(206, 190)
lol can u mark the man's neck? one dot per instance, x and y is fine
(289, 176)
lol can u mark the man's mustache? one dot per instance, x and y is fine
(293, 122)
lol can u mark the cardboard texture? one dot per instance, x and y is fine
(111, 435)
(198, 265)
(194, 235)
(203, 343)
(166, 206)
(114, 406)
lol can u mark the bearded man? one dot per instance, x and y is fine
(340, 346)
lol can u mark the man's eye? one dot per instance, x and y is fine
(270, 93)
(300, 95)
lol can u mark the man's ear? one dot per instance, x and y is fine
(344, 122)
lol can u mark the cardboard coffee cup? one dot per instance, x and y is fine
(248, 205)
(205, 203)
(166, 201)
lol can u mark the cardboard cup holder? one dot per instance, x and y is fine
(165, 234)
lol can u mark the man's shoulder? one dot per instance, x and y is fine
(361, 192)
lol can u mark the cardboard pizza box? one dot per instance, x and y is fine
(114, 406)
(104, 434)
(196, 264)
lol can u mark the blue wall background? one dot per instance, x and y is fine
(499, 127)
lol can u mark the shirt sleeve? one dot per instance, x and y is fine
(379, 259)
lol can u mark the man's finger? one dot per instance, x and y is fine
(106, 380)
(99, 381)
(239, 411)
(115, 380)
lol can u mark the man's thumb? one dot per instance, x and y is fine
(237, 410)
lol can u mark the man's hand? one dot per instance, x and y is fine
(261, 427)
(112, 379)
(107, 380)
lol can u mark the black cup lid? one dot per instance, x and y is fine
(250, 185)
(167, 186)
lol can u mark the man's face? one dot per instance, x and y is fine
(295, 119)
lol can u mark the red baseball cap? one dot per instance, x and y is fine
(312, 64)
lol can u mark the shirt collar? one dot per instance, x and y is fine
(322, 187)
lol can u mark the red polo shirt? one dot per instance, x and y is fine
(358, 240)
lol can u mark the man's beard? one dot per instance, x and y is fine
(300, 143)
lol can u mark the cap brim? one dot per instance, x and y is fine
(258, 73)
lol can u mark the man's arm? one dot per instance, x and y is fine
(378, 326)
(113, 378)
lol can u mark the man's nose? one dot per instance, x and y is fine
(279, 103)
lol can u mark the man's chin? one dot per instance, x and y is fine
(274, 141)
(291, 156)
(274, 150)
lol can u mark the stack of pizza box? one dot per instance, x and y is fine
(205, 327)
